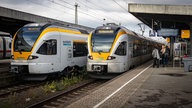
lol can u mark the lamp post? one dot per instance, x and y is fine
(104, 21)
(76, 16)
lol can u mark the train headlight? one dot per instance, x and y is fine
(90, 57)
(12, 57)
(31, 57)
(110, 57)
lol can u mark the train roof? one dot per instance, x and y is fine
(50, 24)
(140, 36)
(108, 27)
(115, 27)
(4, 34)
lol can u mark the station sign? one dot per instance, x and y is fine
(185, 33)
(167, 32)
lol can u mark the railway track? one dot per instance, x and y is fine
(4, 73)
(68, 96)
(4, 65)
(9, 84)
(4, 69)
(18, 87)
(6, 78)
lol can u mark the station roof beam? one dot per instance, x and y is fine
(169, 16)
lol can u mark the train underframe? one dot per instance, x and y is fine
(22, 73)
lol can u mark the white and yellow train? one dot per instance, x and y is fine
(42, 49)
(114, 49)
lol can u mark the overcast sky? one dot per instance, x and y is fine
(90, 12)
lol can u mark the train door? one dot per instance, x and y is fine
(69, 54)
(4, 47)
(126, 56)
(1, 48)
(55, 60)
(122, 53)
(130, 52)
(48, 53)
(8, 47)
(49, 56)
(66, 52)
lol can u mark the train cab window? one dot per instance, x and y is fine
(121, 49)
(49, 47)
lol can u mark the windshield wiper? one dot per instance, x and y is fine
(20, 51)
(100, 52)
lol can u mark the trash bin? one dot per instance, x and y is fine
(187, 64)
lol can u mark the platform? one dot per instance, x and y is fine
(143, 87)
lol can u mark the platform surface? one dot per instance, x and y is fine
(143, 87)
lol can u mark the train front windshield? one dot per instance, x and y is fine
(25, 38)
(102, 42)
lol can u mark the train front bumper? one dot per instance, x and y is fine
(31, 68)
(105, 67)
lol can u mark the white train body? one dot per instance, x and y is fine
(53, 49)
(5, 47)
(114, 49)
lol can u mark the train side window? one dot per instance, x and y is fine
(79, 49)
(121, 49)
(49, 47)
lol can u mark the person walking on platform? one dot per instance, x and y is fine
(163, 49)
(166, 55)
(156, 57)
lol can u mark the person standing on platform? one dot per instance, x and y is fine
(166, 55)
(163, 49)
(156, 57)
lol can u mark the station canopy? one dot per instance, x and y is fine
(157, 16)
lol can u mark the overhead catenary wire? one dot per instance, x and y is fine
(62, 6)
(37, 3)
(92, 13)
(73, 9)
(96, 13)
(100, 17)
(120, 6)
(99, 6)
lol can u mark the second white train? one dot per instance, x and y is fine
(114, 49)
